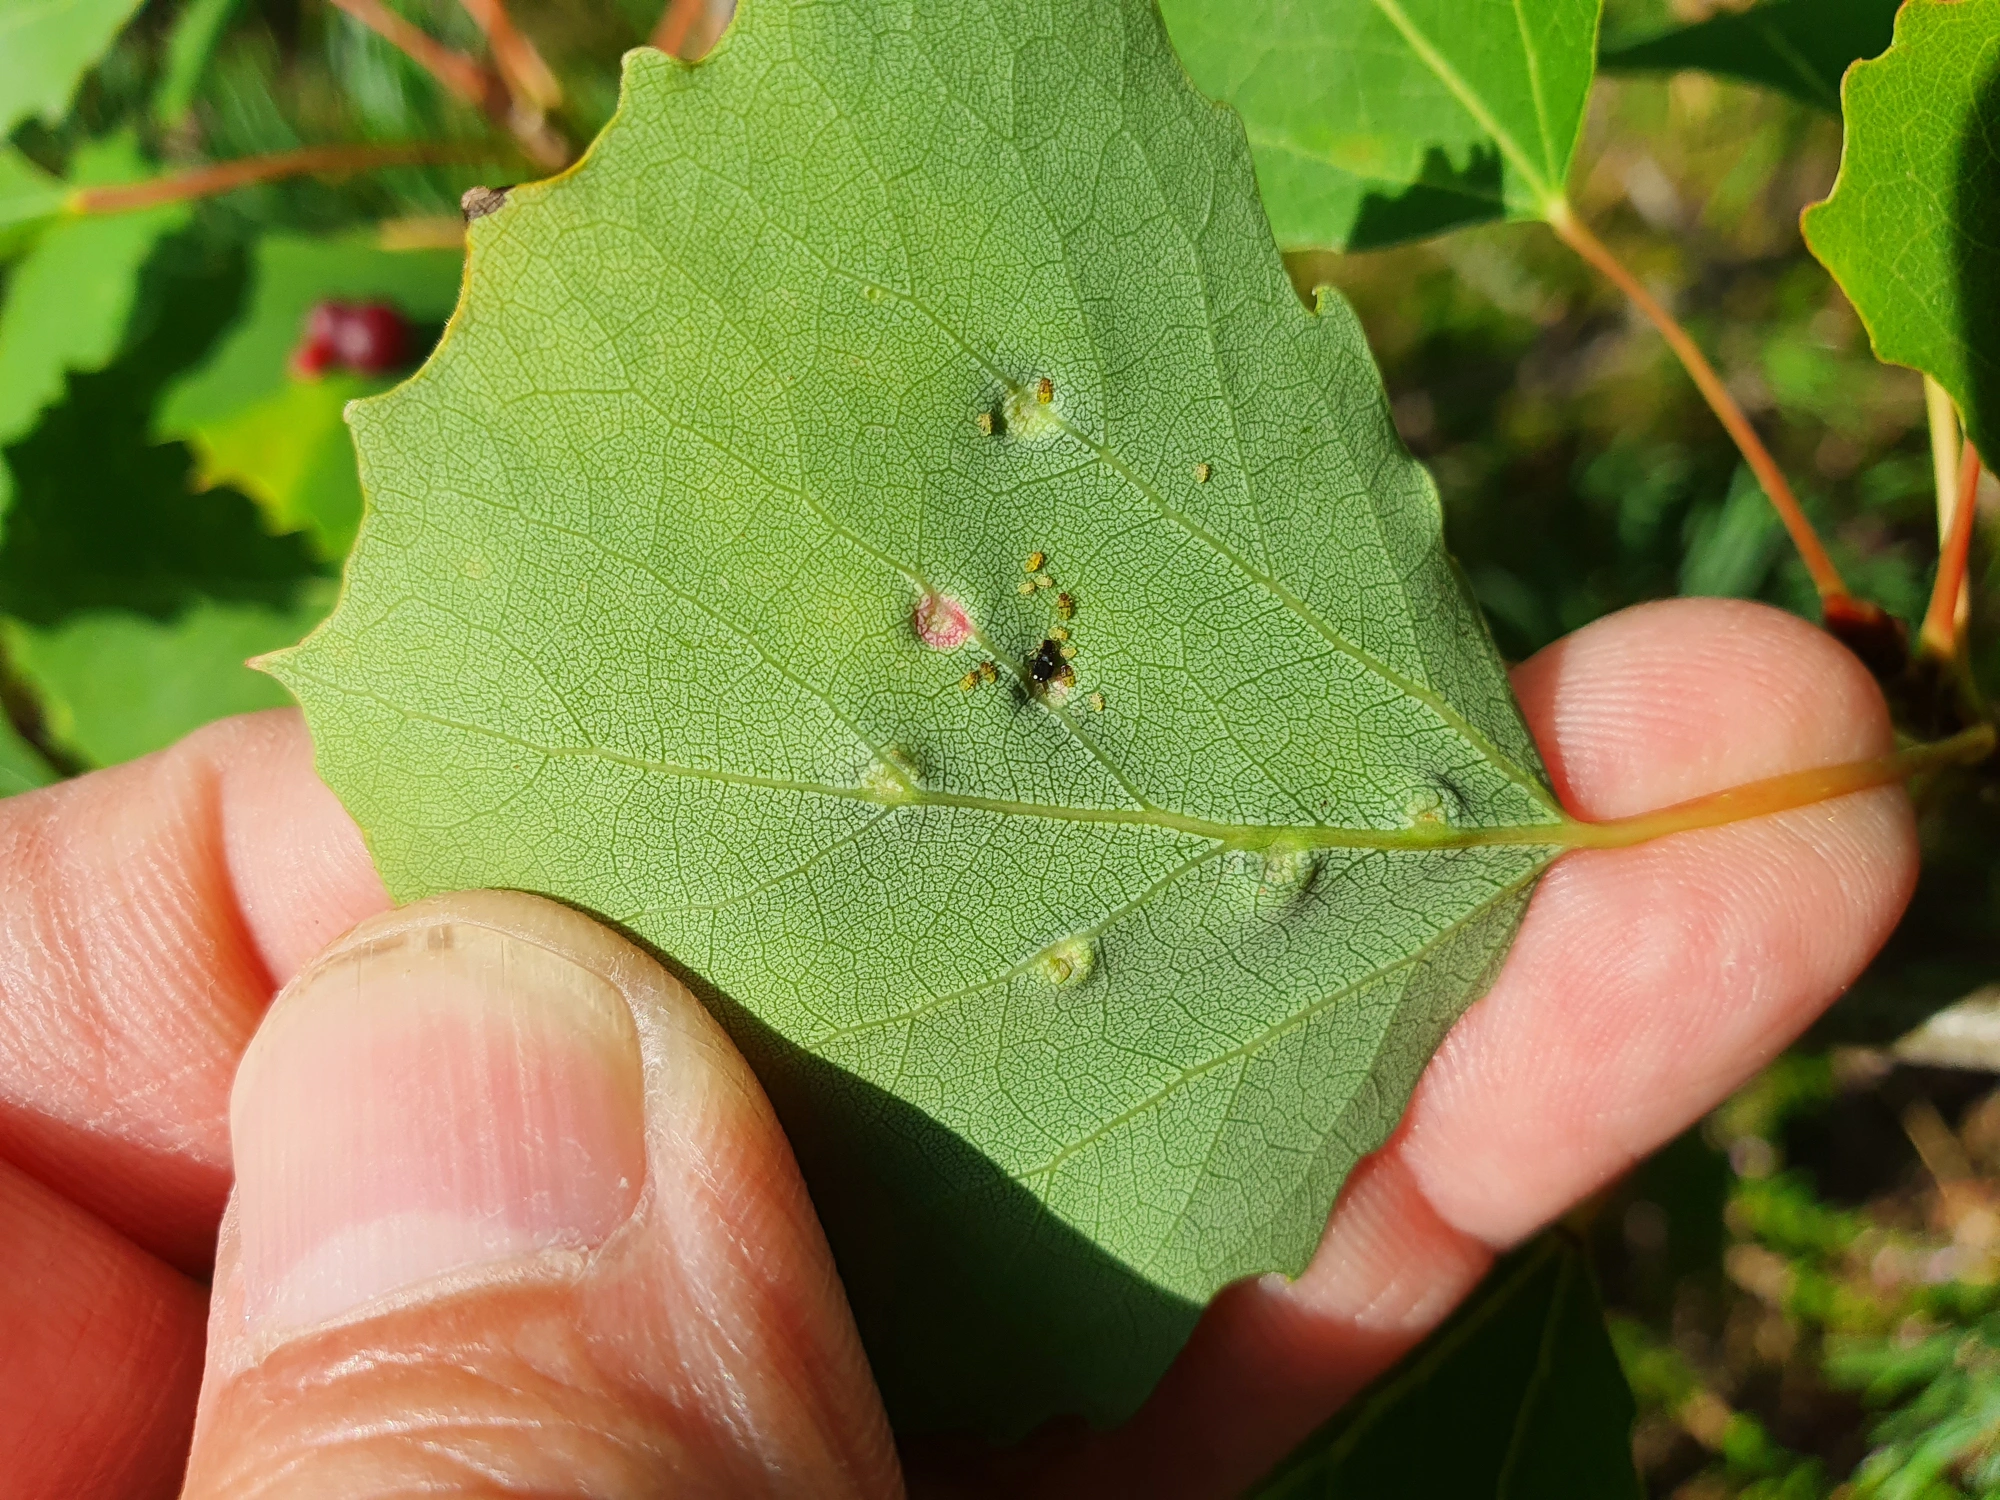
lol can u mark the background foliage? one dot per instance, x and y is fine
(1801, 1291)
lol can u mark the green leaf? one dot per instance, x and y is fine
(69, 299)
(1912, 229)
(280, 439)
(1517, 1397)
(190, 47)
(1798, 47)
(114, 685)
(105, 519)
(1074, 1013)
(21, 769)
(28, 197)
(46, 46)
(1374, 121)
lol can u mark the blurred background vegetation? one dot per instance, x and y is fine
(1804, 1292)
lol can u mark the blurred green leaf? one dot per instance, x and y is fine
(28, 195)
(278, 438)
(1799, 47)
(1518, 1397)
(114, 685)
(1912, 229)
(1731, 545)
(105, 519)
(1373, 121)
(69, 299)
(46, 46)
(21, 769)
(190, 47)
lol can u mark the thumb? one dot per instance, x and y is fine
(512, 1216)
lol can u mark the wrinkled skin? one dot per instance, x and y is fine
(700, 1343)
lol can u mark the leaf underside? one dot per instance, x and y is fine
(1912, 229)
(1079, 997)
(1375, 121)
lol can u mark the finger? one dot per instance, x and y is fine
(513, 1216)
(100, 1355)
(1649, 982)
(144, 913)
(1644, 985)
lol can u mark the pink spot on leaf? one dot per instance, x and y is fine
(941, 622)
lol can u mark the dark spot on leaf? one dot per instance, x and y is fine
(478, 202)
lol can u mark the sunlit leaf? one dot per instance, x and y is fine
(113, 686)
(104, 518)
(280, 438)
(69, 298)
(46, 46)
(1518, 1397)
(700, 587)
(1798, 47)
(28, 197)
(1912, 229)
(1374, 121)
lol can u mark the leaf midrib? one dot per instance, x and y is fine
(1251, 837)
(1470, 101)
(1297, 606)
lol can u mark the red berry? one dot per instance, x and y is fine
(370, 339)
(373, 339)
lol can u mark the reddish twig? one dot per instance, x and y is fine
(674, 24)
(465, 77)
(1940, 634)
(676, 21)
(227, 176)
(1825, 576)
(526, 75)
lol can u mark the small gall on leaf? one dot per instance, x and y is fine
(1070, 962)
(941, 622)
(1289, 869)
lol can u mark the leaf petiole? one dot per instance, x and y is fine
(1574, 233)
(1776, 794)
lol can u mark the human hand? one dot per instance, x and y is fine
(512, 1216)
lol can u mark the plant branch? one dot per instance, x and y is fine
(527, 76)
(676, 24)
(1775, 794)
(465, 78)
(227, 176)
(1942, 630)
(1825, 576)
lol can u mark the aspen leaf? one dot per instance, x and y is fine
(699, 587)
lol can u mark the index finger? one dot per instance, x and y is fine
(147, 915)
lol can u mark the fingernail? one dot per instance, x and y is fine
(437, 1097)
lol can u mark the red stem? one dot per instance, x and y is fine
(1825, 576)
(226, 176)
(1939, 636)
